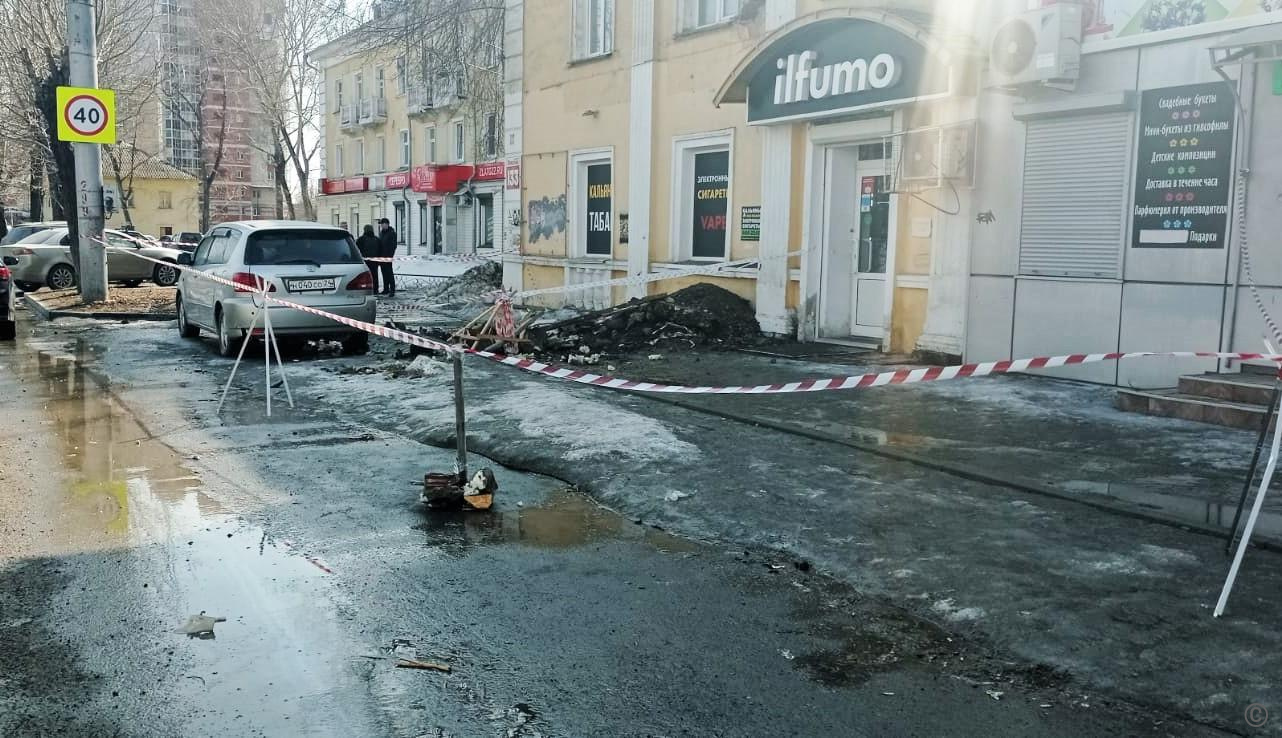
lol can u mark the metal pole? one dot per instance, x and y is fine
(82, 48)
(1255, 462)
(460, 422)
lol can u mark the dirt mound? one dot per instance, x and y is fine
(471, 285)
(700, 315)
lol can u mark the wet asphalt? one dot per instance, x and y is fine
(129, 505)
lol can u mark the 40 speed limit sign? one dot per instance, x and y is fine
(86, 115)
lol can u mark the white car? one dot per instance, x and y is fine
(308, 263)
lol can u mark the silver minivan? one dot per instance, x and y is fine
(308, 263)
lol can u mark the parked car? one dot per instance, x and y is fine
(188, 239)
(45, 260)
(21, 231)
(8, 324)
(303, 262)
(8, 258)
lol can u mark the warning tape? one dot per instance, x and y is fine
(849, 382)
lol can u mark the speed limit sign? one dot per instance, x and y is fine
(86, 115)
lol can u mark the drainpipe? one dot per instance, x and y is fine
(1244, 113)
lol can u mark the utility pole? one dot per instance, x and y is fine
(82, 48)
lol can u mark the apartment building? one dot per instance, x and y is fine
(206, 111)
(963, 178)
(416, 139)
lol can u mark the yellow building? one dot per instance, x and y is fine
(145, 193)
(415, 142)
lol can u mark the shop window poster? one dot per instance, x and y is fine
(711, 198)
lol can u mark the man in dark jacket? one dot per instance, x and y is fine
(387, 239)
(370, 247)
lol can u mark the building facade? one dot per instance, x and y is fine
(417, 141)
(151, 197)
(874, 173)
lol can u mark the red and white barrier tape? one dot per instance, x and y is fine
(856, 381)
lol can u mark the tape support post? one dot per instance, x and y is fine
(826, 384)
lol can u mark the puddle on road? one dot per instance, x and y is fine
(122, 487)
(1169, 503)
(566, 519)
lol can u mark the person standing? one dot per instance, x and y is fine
(370, 246)
(387, 237)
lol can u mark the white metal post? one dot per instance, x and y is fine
(82, 49)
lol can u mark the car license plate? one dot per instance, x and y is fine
(311, 285)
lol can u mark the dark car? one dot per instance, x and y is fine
(186, 240)
(8, 324)
(19, 232)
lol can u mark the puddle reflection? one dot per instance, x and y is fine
(122, 486)
(567, 519)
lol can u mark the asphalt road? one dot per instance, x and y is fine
(127, 505)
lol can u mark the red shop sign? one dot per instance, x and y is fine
(397, 181)
(355, 184)
(332, 186)
(437, 177)
(489, 170)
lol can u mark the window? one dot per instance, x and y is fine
(701, 168)
(593, 28)
(485, 204)
(335, 217)
(591, 204)
(431, 144)
(491, 135)
(300, 245)
(398, 220)
(356, 221)
(166, 200)
(338, 160)
(359, 86)
(422, 222)
(380, 153)
(460, 148)
(360, 156)
(1076, 174)
(338, 95)
(401, 72)
(380, 84)
(405, 147)
(375, 215)
(696, 14)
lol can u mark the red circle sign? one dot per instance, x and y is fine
(86, 115)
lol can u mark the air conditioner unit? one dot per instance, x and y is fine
(1042, 46)
(929, 157)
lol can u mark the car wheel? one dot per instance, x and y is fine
(356, 344)
(8, 330)
(29, 286)
(226, 347)
(165, 275)
(185, 329)
(61, 277)
(131, 283)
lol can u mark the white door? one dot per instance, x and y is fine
(868, 313)
(856, 230)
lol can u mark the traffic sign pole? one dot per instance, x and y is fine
(83, 72)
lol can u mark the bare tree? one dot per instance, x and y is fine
(33, 64)
(270, 42)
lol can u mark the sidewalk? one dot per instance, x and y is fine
(1119, 603)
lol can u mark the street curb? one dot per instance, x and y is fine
(47, 313)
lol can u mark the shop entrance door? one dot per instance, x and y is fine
(856, 240)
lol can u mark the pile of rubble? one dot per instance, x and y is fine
(702, 315)
(470, 286)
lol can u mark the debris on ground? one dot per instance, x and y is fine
(470, 286)
(424, 366)
(699, 315)
(675, 495)
(425, 665)
(142, 300)
(200, 626)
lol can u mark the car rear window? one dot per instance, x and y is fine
(302, 246)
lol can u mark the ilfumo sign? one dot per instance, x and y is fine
(836, 66)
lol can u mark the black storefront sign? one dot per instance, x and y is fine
(841, 65)
(750, 223)
(598, 210)
(1184, 171)
(711, 188)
